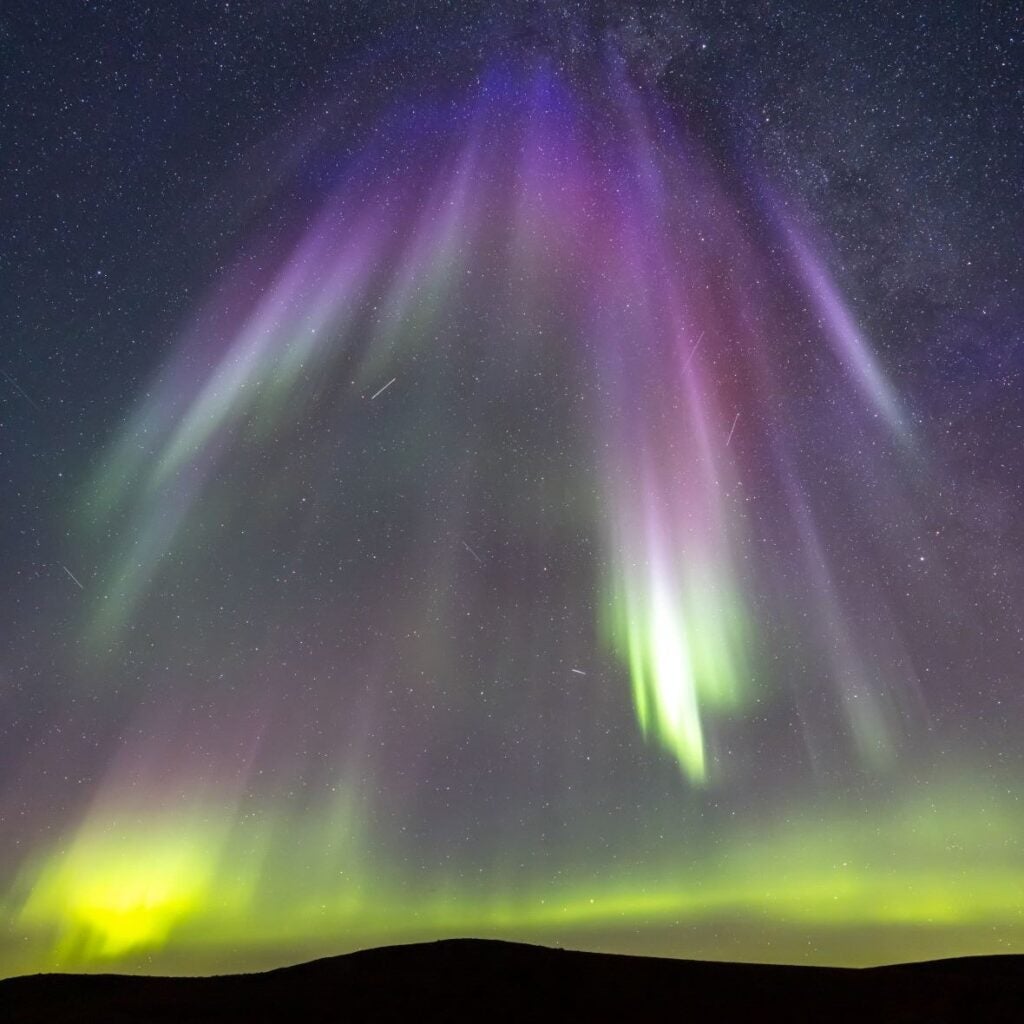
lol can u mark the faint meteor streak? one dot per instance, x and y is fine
(693, 351)
(473, 553)
(20, 390)
(732, 430)
(383, 389)
(77, 582)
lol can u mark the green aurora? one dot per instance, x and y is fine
(529, 532)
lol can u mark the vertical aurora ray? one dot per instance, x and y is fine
(490, 480)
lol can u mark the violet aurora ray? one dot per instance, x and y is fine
(478, 564)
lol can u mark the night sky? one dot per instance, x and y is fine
(551, 471)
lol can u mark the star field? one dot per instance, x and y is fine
(544, 471)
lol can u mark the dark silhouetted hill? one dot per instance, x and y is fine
(474, 980)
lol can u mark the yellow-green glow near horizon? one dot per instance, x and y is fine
(942, 861)
(111, 894)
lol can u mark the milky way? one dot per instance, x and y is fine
(526, 537)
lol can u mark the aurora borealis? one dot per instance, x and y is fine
(489, 487)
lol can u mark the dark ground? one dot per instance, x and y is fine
(467, 979)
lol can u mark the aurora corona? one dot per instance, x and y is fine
(468, 569)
